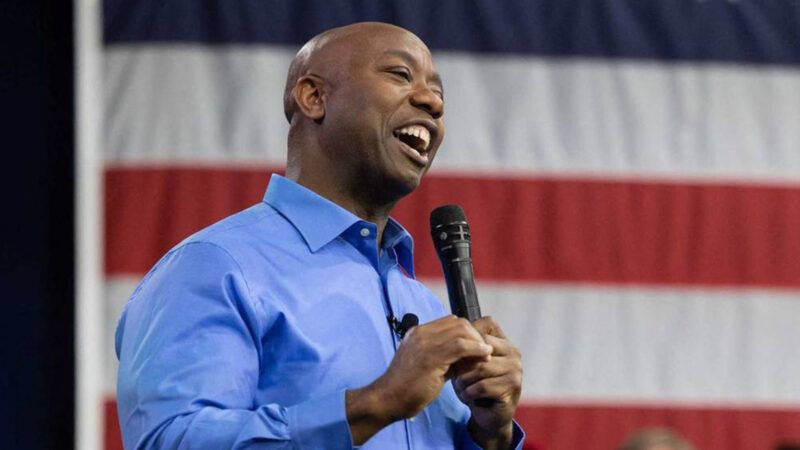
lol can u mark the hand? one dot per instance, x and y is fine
(415, 376)
(492, 388)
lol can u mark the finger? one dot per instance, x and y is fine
(502, 388)
(449, 328)
(462, 325)
(487, 326)
(502, 347)
(461, 348)
(445, 323)
(436, 326)
(465, 365)
(497, 366)
(442, 320)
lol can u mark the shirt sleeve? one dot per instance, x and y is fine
(189, 348)
(517, 440)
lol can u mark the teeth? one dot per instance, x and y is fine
(418, 131)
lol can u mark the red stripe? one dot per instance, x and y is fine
(147, 211)
(112, 438)
(605, 427)
(581, 427)
(523, 229)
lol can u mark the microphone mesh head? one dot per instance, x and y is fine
(447, 214)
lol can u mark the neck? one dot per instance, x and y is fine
(368, 198)
(358, 201)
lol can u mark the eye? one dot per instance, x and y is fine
(401, 72)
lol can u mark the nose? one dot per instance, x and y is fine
(426, 99)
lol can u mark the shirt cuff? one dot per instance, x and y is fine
(320, 423)
(517, 439)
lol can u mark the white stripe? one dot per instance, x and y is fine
(194, 104)
(523, 115)
(89, 319)
(649, 344)
(666, 346)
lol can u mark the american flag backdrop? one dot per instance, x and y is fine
(630, 168)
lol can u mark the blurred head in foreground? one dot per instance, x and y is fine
(656, 438)
(787, 446)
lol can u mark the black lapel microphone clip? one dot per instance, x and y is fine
(402, 326)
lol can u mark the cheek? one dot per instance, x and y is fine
(439, 138)
(361, 113)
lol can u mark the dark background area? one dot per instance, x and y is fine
(36, 256)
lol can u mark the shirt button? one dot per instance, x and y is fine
(365, 232)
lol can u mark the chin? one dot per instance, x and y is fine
(396, 187)
(412, 179)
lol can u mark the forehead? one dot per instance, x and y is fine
(396, 45)
(401, 44)
(366, 41)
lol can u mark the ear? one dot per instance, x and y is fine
(309, 97)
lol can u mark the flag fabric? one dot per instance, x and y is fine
(630, 169)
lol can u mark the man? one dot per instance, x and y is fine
(268, 329)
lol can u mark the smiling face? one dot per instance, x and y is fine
(383, 112)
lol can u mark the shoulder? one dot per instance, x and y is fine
(252, 233)
(223, 247)
(207, 267)
(234, 230)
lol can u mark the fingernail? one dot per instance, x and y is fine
(487, 348)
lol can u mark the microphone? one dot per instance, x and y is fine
(451, 238)
(402, 326)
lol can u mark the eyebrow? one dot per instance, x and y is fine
(409, 58)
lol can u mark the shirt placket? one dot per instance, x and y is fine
(387, 262)
(382, 264)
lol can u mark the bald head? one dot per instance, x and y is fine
(329, 51)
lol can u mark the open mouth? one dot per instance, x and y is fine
(416, 139)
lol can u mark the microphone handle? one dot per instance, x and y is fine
(460, 279)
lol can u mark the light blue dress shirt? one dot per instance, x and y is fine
(248, 333)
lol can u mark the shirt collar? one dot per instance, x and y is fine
(394, 235)
(320, 220)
